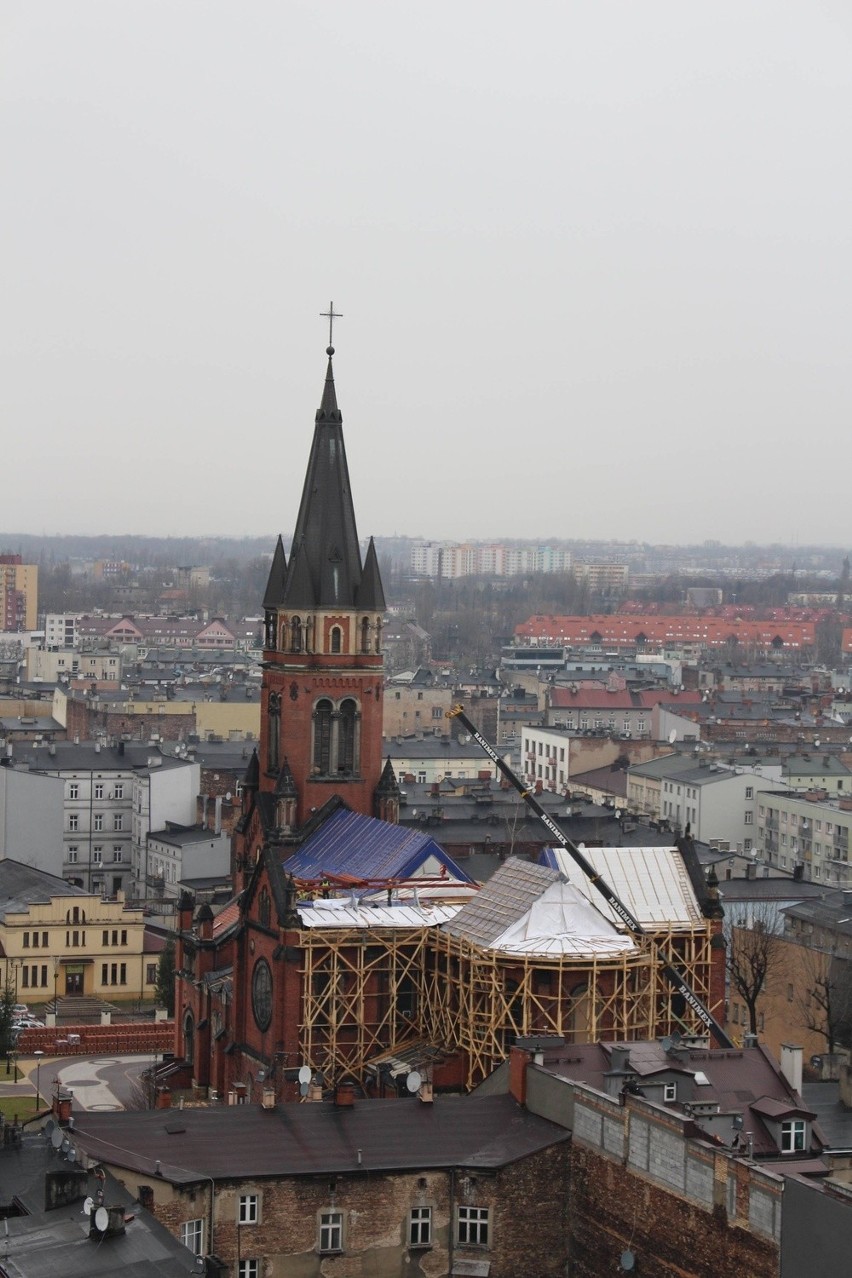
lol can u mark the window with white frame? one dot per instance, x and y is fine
(72, 855)
(473, 1226)
(330, 1230)
(793, 1136)
(749, 792)
(118, 792)
(748, 818)
(73, 821)
(249, 1209)
(73, 790)
(420, 1227)
(117, 821)
(249, 1269)
(192, 1236)
(99, 791)
(99, 820)
(669, 1092)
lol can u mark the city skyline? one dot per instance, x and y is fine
(591, 267)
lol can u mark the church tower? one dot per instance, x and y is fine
(321, 709)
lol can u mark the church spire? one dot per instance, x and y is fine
(325, 564)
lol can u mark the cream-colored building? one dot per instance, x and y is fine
(58, 940)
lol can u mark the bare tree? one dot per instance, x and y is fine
(755, 953)
(825, 997)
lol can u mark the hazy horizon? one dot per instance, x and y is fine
(593, 264)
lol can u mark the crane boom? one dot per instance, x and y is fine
(633, 925)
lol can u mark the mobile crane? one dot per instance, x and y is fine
(631, 923)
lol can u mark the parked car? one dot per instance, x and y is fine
(27, 1022)
(20, 1009)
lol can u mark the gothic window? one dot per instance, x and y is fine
(188, 1038)
(336, 639)
(274, 732)
(270, 630)
(322, 737)
(365, 635)
(296, 634)
(378, 636)
(346, 743)
(263, 909)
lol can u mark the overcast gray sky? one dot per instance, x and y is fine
(593, 261)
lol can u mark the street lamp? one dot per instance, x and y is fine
(55, 991)
(38, 1055)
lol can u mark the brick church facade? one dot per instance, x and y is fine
(276, 983)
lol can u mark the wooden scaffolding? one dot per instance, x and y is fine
(365, 991)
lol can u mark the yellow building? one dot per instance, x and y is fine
(58, 940)
(18, 594)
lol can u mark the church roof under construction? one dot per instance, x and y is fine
(353, 846)
(652, 882)
(531, 909)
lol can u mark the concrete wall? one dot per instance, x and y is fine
(31, 816)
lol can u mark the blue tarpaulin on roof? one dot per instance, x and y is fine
(366, 848)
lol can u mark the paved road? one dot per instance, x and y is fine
(98, 1082)
(103, 1082)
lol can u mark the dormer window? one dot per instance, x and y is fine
(793, 1133)
(669, 1093)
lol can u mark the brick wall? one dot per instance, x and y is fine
(637, 1180)
(528, 1224)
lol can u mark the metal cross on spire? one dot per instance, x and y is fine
(331, 315)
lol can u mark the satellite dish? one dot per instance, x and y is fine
(56, 1137)
(102, 1219)
(618, 814)
(72, 1154)
(88, 1206)
(628, 1261)
(666, 1044)
(48, 1127)
(673, 736)
(304, 1089)
(65, 1145)
(305, 1074)
(414, 1081)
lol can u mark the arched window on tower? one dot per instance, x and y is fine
(365, 635)
(273, 738)
(336, 639)
(322, 737)
(346, 751)
(188, 1038)
(379, 636)
(296, 634)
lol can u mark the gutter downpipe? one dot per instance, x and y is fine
(451, 1239)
